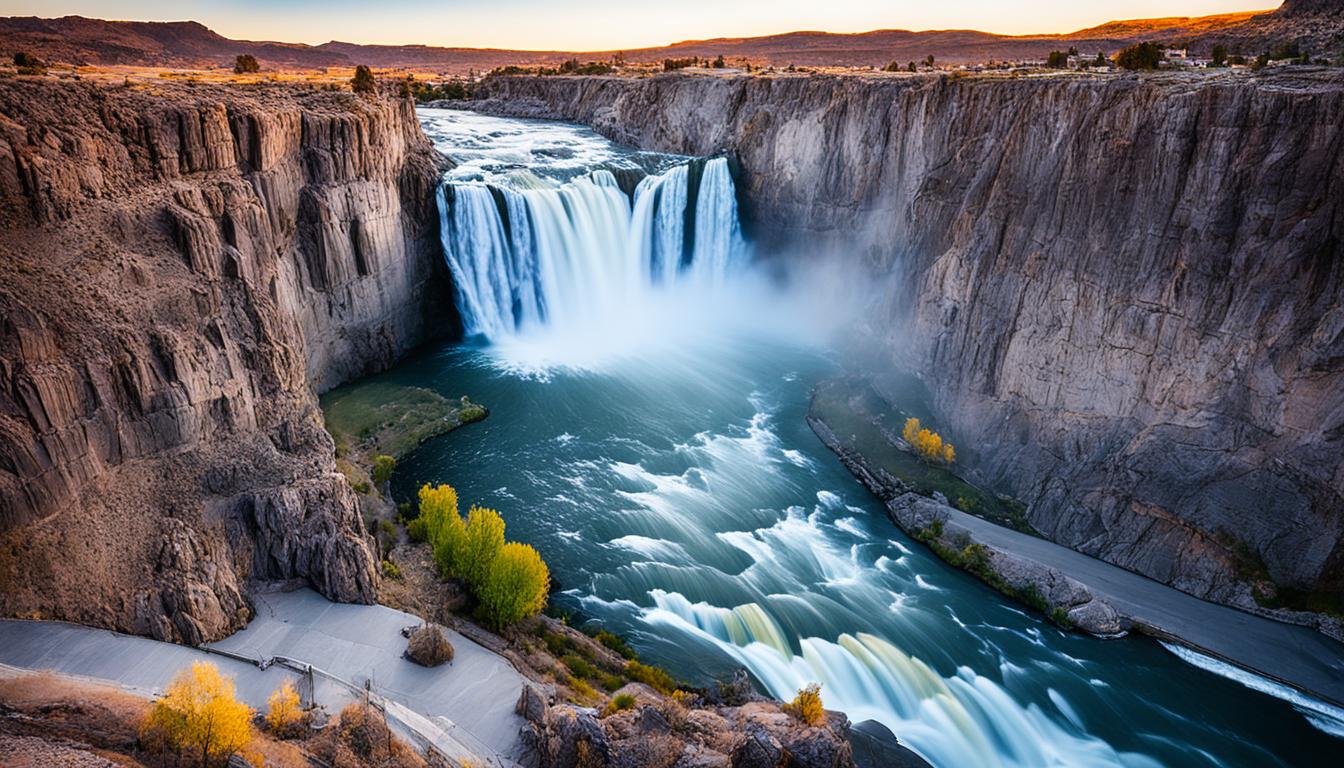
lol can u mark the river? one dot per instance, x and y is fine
(647, 435)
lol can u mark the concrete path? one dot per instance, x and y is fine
(1298, 656)
(476, 693)
(469, 701)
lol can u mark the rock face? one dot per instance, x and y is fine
(1126, 293)
(179, 273)
(659, 731)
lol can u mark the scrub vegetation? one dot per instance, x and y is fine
(509, 580)
(200, 718)
(806, 706)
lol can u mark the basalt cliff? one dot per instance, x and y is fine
(181, 270)
(1125, 293)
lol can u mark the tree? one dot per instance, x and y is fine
(284, 715)
(927, 444)
(363, 81)
(1101, 60)
(806, 706)
(245, 63)
(481, 544)
(515, 586)
(894, 66)
(1219, 57)
(444, 529)
(1057, 60)
(1141, 56)
(928, 61)
(911, 66)
(199, 712)
(719, 63)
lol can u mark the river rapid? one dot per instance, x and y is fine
(648, 391)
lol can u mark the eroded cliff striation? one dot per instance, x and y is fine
(180, 270)
(1126, 293)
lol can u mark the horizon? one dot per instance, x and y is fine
(603, 25)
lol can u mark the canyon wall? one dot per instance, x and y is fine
(182, 267)
(1126, 294)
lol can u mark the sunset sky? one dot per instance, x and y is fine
(604, 24)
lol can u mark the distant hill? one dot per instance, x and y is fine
(1318, 25)
(78, 40)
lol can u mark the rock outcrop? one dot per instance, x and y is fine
(658, 730)
(1126, 293)
(180, 271)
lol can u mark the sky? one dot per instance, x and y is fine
(610, 24)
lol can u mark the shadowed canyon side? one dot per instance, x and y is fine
(180, 269)
(1124, 293)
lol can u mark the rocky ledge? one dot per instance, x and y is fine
(182, 268)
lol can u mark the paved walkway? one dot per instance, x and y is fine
(476, 692)
(469, 701)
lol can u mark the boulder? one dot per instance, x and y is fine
(428, 646)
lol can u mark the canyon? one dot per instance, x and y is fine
(181, 270)
(1124, 293)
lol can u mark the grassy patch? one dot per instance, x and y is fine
(379, 417)
(863, 420)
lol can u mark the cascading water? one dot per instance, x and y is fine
(527, 252)
(680, 498)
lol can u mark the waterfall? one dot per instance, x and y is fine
(527, 252)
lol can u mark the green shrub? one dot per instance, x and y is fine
(382, 469)
(654, 677)
(579, 666)
(391, 571)
(557, 643)
(515, 586)
(415, 529)
(616, 643)
(611, 682)
(245, 63)
(619, 704)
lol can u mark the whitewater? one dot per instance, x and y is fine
(648, 389)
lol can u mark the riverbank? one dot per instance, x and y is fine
(1090, 594)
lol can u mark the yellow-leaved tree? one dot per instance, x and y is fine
(200, 714)
(515, 585)
(444, 528)
(284, 716)
(483, 540)
(927, 444)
